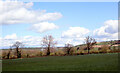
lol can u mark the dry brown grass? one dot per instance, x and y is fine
(104, 49)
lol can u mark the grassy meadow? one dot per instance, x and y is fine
(90, 62)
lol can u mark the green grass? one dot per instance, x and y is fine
(103, 43)
(92, 62)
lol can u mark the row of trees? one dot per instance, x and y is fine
(48, 43)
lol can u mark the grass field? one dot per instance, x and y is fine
(92, 62)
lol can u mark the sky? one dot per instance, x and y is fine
(67, 22)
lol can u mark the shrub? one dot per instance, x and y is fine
(32, 55)
(52, 54)
(13, 57)
(4, 55)
(78, 52)
(44, 53)
(115, 49)
(73, 51)
(82, 52)
(25, 55)
(39, 53)
(95, 51)
(104, 49)
(83, 47)
(60, 53)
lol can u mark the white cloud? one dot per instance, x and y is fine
(75, 32)
(43, 27)
(14, 12)
(111, 26)
(31, 40)
(109, 31)
(12, 36)
(17, 12)
(74, 35)
(73, 41)
(9, 40)
(36, 40)
(6, 6)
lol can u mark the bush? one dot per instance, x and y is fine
(95, 51)
(44, 54)
(32, 55)
(82, 52)
(78, 52)
(73, 51)
(39, 53)
(13, 57)
(115, 49)
(83, 48)
(52, 54)
(59, 53)
(4, 55)
(104, 49)
(25, 55)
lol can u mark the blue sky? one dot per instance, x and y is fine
(84, 14)
(88, 15)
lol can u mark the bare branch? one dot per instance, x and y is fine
(89, 42)
(48, 42)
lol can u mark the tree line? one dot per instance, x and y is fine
(49, 43)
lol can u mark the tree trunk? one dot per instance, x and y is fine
(48, 51)
(88, 50)
(18, 53)
(68, 51)
(8, 55)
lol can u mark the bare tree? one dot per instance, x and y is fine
(17, 46)
(68, 47)
(48, 42)
(89, 42)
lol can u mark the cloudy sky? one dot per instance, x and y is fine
(67, 22)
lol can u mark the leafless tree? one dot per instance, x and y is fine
(48, 42)
(89, 42)
(17, 46)
(68, 47)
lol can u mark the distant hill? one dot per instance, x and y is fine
(114, 42)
